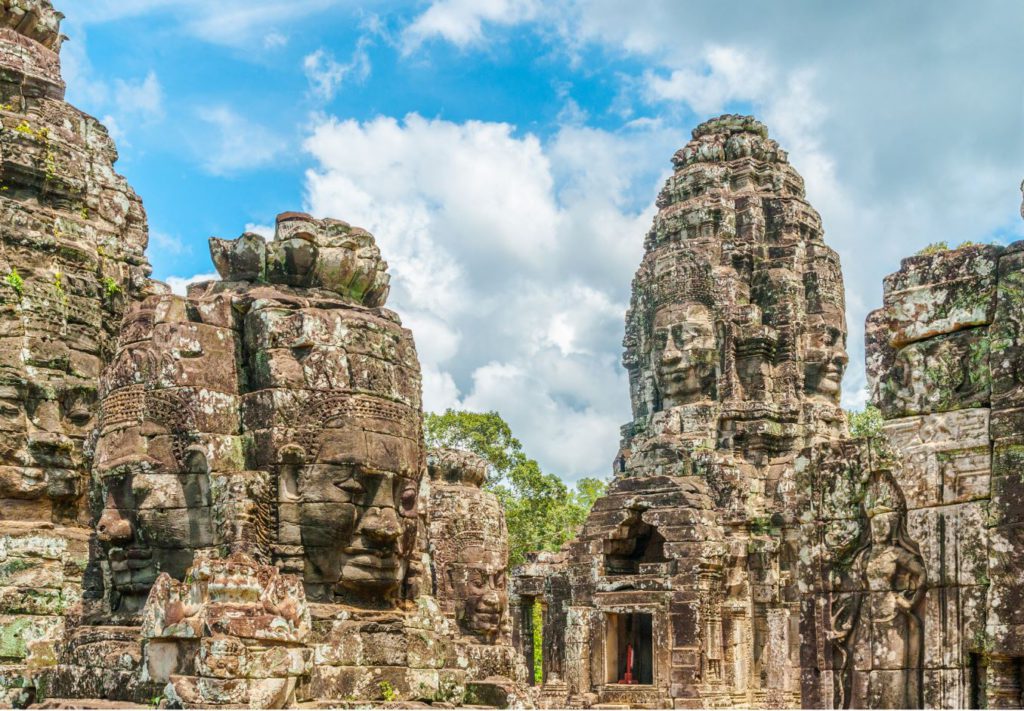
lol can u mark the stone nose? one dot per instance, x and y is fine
(113, 527)
(672, 353)
(380, 525)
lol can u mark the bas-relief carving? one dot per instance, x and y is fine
(877, 612)
(359, 504)
(161, 423)
(685, 356)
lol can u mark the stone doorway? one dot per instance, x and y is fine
(629, 648)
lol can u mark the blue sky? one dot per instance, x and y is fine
(506, 154)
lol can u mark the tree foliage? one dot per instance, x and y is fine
(541, 511)
(865, 423)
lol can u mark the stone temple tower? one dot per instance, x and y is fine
(682, 585)
(72, 241)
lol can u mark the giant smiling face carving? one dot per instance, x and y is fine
(684, 354)
(359, 510)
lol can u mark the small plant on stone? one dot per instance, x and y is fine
(14, 280)
(387, 691)
(58, 285)
(933, 248)
(110, 287)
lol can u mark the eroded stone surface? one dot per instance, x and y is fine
(946, 376)
(73, 236)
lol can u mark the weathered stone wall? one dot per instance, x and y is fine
(72, 234)
(944, 367)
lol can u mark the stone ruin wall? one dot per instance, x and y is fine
(803, 566)
(224, 499)
(944, 367)
(72, 241)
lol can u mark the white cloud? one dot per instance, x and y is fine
(165, 243)
(722, 75)
(266, 231)
(179, 285)
(232, 143)
(461, 22)
(142, 99)
(123, 103)
(274, 40)
(326, 74)
(510, 259)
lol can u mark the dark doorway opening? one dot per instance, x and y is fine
(629, 653)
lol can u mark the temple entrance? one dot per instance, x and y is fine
(629, 648)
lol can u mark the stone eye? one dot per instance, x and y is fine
(409, 501)
(350, 487)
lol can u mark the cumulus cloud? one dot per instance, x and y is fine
(511, 259)
(462, 22)
(232, 143)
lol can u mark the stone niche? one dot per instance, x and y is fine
(72, 262)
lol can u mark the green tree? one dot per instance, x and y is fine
(865, 423)
(541, 511)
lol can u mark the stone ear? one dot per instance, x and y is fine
(291, 454)
(195, 461)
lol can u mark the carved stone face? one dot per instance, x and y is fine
(684, 354)
(882, 527)
(826, 358)
(478, 580)
(359, 510)
(156, 510)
